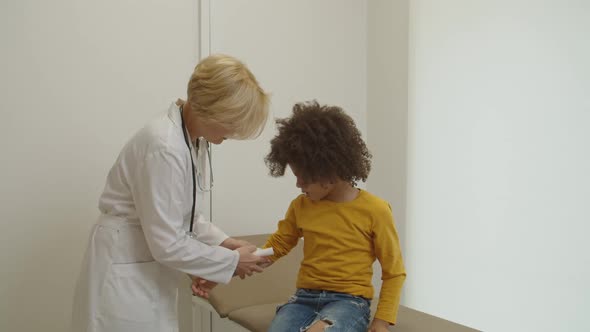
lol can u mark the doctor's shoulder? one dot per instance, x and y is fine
(157, 139)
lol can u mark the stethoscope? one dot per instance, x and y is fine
(198, 179)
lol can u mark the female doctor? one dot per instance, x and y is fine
(148, 233)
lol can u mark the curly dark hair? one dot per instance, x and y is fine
(322, 142)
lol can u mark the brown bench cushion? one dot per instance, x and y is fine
(257, 319)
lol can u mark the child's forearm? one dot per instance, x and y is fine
(389, 298)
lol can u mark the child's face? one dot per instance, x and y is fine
(315, 191)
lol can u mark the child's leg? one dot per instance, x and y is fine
(292, 316)
(344, 313)
(300, 311)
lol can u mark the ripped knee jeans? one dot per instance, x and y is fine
(339, 311)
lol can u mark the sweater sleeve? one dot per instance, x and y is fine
(286, 236)
(388, 252)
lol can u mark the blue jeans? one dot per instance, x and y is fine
(342, 312)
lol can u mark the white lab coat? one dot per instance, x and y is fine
(139, 247)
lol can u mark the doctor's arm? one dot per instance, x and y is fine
(210, 234)
(158, 190)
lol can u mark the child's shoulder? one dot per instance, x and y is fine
(369, 198)
(376, 203)
(298, 201)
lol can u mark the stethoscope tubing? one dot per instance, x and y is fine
(188, 145)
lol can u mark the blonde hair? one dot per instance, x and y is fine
(222, 90)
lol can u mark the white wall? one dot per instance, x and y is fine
(498, 186)
(298, 50)
(78, 79)
(387, 106)
(387, 101)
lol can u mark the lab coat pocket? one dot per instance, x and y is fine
(129, 298)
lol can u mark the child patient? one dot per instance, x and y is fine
(344, 228)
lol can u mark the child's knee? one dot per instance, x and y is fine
(319, 326)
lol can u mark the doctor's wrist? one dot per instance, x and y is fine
(230, 243)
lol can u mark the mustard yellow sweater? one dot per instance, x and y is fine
(341, 242)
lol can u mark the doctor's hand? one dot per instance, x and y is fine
(233, 244)
(266, 262)
(202, 287)
(248, 263)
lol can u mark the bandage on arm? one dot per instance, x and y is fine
(264, 252)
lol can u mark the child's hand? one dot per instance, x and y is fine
(202, 287)
(266, 263)
(378, 325)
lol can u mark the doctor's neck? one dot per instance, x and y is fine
(191, 121)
